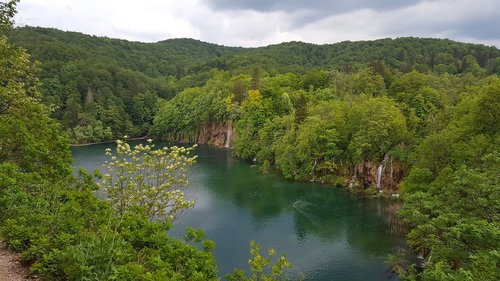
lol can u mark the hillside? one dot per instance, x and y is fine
(105, 88)
(162, 58)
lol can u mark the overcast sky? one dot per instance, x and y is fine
(262, 22)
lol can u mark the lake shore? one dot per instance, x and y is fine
(104, 142)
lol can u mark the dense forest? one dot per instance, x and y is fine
(105, 88)
(414, 117)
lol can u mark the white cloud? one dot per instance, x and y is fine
(245, 28)
(439, 19)
(150, 20)
(154, 20)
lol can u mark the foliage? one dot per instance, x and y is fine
(100, 84)
(63, 230)
(253, 117)
(261, 266)
(67, 233)
(456, 224)
(30, 139)
(340, 134)
(180, 118)
(451, 195)
(147, 178)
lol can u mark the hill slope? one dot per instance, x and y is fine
(108, 87)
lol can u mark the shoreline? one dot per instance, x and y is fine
(103, 142)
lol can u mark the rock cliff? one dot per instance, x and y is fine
(216, 134)
(386, 175)
(220, 134)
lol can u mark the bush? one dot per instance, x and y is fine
(70, 234)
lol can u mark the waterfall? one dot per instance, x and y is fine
(380, 172)
(228, 135)
(392, 171)
(352, 182)
(314, 168)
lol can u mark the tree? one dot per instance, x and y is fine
(315, 79)
(252, 119)
(301, 108)
(7, 12)
(261, 267)
(380, 126)
(455, 223)
(29, 138)
(451, 193)
(239, 88)
(486, 113)
(470, 65)
(149, 179)
(256, 77)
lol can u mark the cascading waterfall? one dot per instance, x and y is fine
(314, 168)
(380, 172)
(228, 135)
(392, 171)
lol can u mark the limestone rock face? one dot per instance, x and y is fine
(370, 174)
(220, 134)
(216, 134)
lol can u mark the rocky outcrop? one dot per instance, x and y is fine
(220, 134)
(216, 134)
(385, 175)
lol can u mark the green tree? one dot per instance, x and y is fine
(30, 139)
(451, 194)
(381, 127)
(256, 78)
(455, 223)
(315, 79)
(261, 266)
(470, 65)
(147, 178)
(253, 117)
(301, 108)
(240, 87)
(7, 12)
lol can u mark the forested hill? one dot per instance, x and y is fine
(164, 58)
(152, 59)
(104, 88)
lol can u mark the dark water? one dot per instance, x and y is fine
(326, 233)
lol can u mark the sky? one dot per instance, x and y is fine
(263, 22)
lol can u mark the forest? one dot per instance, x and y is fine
(414, 117)
(104, 88)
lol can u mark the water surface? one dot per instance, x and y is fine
(327, 233)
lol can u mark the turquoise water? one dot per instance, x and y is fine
(327, 233)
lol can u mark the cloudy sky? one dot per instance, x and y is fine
(262, 22)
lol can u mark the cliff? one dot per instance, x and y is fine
(220, 134)
(385, 175)
(216, 134)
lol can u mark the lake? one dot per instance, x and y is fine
(326, 232)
